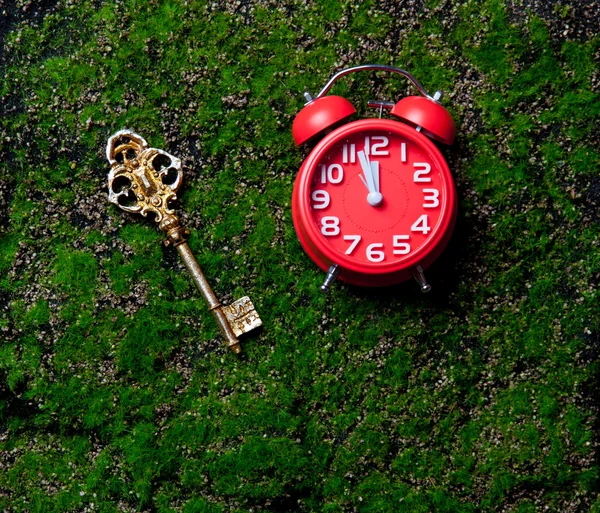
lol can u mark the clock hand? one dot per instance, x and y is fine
(375, 168)
(367, 170)
(371, 179)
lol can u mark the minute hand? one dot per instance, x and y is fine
(368, 171)
(371, 180)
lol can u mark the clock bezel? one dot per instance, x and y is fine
(371, 273)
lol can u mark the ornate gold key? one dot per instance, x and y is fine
(143, 180)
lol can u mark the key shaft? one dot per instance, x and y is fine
(209, 296)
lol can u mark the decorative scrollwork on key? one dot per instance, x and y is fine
(141, 179)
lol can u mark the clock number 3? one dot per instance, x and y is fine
(431, 198)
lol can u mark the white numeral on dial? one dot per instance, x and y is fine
(421, 225)
(332, 174)
(376, 146)
(374, 254)
(349, 154)
(330, 226)
(321, 199)
(400, 247)
(355, 240)
(425, 169)
(373, 146)
(403, 152)
(431, 199)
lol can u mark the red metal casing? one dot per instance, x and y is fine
(320, 115)
(321, 249)
(435, 120)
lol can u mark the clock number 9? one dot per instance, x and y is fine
(327, 173)
(321, 199)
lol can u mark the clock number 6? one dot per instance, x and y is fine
(374, 254)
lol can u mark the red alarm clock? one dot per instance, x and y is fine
(374, 202)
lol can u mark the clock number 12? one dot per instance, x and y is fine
(374, 145)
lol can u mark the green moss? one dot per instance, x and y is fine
(75, 274)
(117, 387)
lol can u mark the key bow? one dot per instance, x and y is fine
(141, 179)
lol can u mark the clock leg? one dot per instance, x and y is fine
(418, 275)
(332, 275)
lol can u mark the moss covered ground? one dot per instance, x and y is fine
(116, 391)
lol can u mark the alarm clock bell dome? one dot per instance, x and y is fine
(435, 121)
(319, 115)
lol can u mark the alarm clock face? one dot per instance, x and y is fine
(375, 197)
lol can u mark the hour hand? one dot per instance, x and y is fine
(371, 179)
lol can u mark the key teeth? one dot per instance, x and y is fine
(242, 316)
